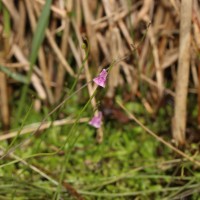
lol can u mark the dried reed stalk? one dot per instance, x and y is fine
(34, 78)
(5, 114)
(110, 27)
(32, 127)
(64, 50)
(196, 28)
(179, 120)
(90, 31)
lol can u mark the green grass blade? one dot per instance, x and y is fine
(21, 128)
(37, 41)
(14, 75)
(7, 24)
(40, 32)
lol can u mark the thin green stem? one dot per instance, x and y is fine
(33, 133)
(65, 161)
(87, 50)
(19, 131)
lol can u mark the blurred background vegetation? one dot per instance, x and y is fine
(46, 47)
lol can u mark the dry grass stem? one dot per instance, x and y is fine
(60, 12)
(179, 152)
(90, 31)
(31, 128)
(4, 102)
(179, 120)
(64, 49)
(159, 71)
(115, 30)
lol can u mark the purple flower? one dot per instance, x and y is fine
(101, 79)
(96, 121)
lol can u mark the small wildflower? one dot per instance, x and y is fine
(101, 79)
(96, 121)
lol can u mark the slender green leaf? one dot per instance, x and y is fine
(14, 75)
(40, 31)
(37, 41)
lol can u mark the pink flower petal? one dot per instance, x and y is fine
(101, 79)
(96, 121)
